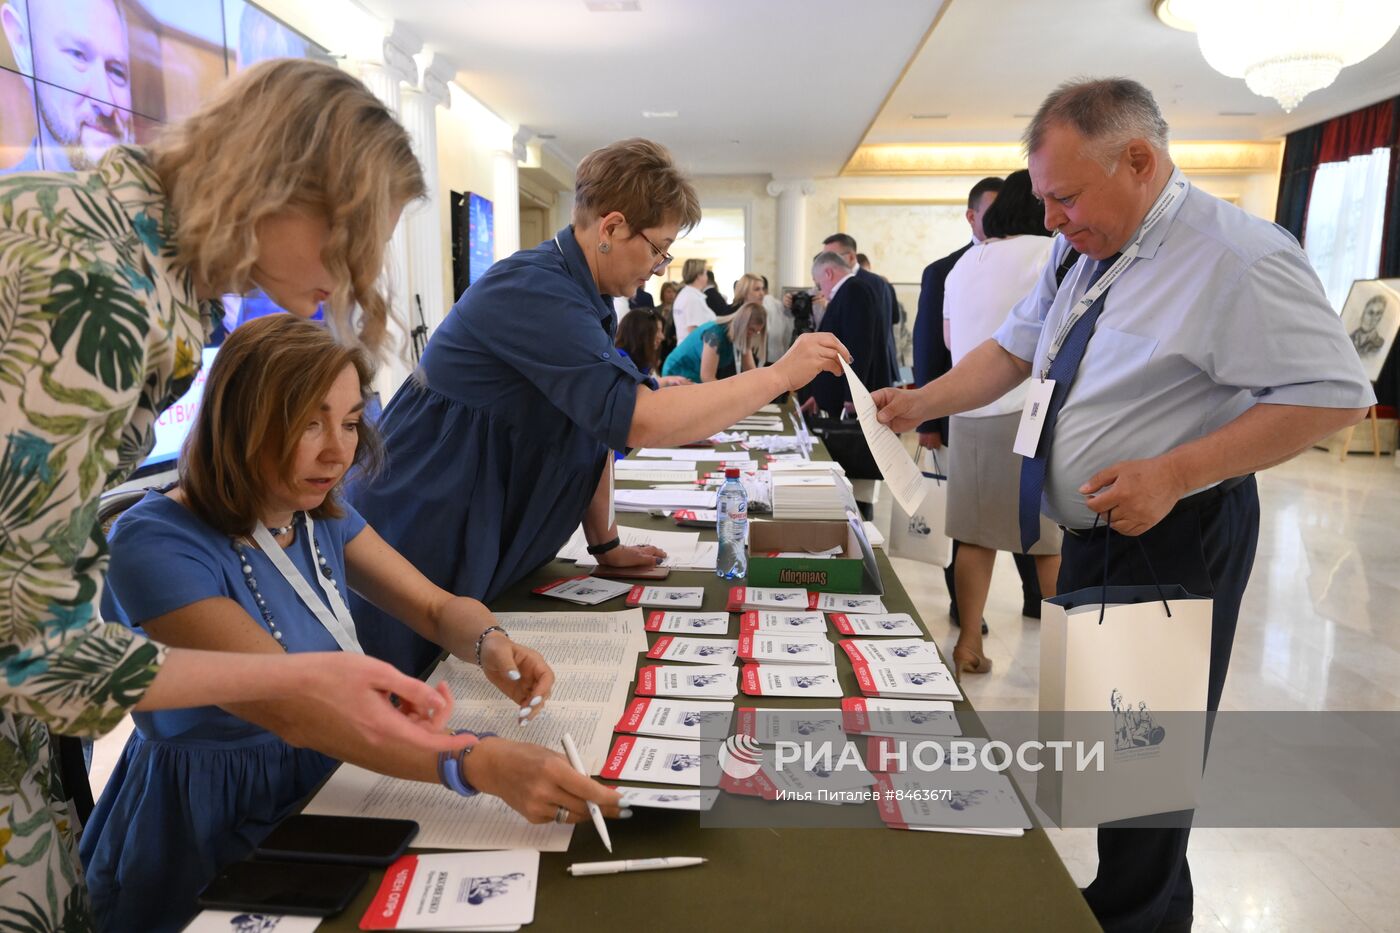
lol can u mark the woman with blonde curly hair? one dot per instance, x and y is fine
(112, 277)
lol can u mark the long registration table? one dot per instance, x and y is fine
(850, 878)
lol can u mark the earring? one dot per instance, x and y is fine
(604, 247)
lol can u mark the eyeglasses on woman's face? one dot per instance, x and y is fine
(664, 261)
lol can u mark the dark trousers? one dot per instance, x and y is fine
(1143, 880)
(1025, 566)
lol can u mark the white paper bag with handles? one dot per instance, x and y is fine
(920, 536)
(1124, 669)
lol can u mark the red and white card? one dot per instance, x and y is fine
(791, 680)
(686, 680)
(771, 726)
(874, 716)
(584, 590)
(456, 891)
(980, 802)
(770, 648)
(889, 624)
(911, 681)
(689, 623)
(792, 623)
(662, 761)
(845, 602)
(675, 597)
(742, 598)
(676, 719)
(678, 648)
(891, 651)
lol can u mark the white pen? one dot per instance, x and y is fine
(632, 864)
(571, 750)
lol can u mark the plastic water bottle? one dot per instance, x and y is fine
(732, 524)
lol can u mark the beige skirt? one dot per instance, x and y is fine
(984, 483)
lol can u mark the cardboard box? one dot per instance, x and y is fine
(851, 571)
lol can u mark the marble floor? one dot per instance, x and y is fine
(1319, 629)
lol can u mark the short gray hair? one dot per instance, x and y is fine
(828, 258)
(1105, 111)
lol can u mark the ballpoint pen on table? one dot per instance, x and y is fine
(571, 750)
(632, 864)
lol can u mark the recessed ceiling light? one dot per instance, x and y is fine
(661, 114)
(613, 6)
(928, 116)
(1178, 14)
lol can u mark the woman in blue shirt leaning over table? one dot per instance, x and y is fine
(496, 447)
(252, 552)
(737, 342)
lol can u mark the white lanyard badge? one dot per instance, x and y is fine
(337, 620)
(1159, 209)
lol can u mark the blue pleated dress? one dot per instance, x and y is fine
(495, 448)
(196, 789)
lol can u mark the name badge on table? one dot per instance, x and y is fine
(1033, 417)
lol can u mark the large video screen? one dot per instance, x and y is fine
(481, 233)
(80, 76)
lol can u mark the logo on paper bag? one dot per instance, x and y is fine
(1135, 734)
(254, 923)
(481, 889)
(740, 757)
(917, 526)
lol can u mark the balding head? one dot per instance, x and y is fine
(1107, 112)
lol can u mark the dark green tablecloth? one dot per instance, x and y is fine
(791, 879)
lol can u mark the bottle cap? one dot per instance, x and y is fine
(731, 472)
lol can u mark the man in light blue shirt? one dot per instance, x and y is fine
(1212, 355)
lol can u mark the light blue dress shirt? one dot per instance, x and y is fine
(1220, 311)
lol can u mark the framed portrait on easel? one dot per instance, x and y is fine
(1371, 317)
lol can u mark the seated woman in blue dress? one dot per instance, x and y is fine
(496, 448)
(639, 337)
(253, 552)
(711, 350)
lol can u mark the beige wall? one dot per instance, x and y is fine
(751, 192)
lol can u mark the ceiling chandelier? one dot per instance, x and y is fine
(1284, 49)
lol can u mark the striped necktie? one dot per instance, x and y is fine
(1063, 371)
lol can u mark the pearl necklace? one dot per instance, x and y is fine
(241, 549)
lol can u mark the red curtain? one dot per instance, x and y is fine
(1358, 132)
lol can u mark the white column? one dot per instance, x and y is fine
(423, 220)
(794, 260)
(506, 186)
(385, 79)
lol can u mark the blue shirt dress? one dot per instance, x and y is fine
(196, 789)
(495, 447)
(685, 358)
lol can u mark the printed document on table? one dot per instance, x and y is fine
(643, 500)
(901, 474)
(690, 453)
(445, 820)
(481, 891)
(623, 622)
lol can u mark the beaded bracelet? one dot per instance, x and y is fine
(454, 778)
(482, 638)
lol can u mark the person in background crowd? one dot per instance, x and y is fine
(779, 323)
(1163, 405)
(691, 308)
(303, 209)
(713, 298)
(643, 299)
(522, 417)
(896, 308)
(844, 245)
(931, 360)
(854, 317)
(984, 474)
(214, 563)
(749, 289)
(639, 336)
(666, 310)
(736, 342)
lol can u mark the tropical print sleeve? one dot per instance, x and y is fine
(97, 336)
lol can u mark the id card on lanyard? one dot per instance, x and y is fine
(1038, 398)
(337, 619)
